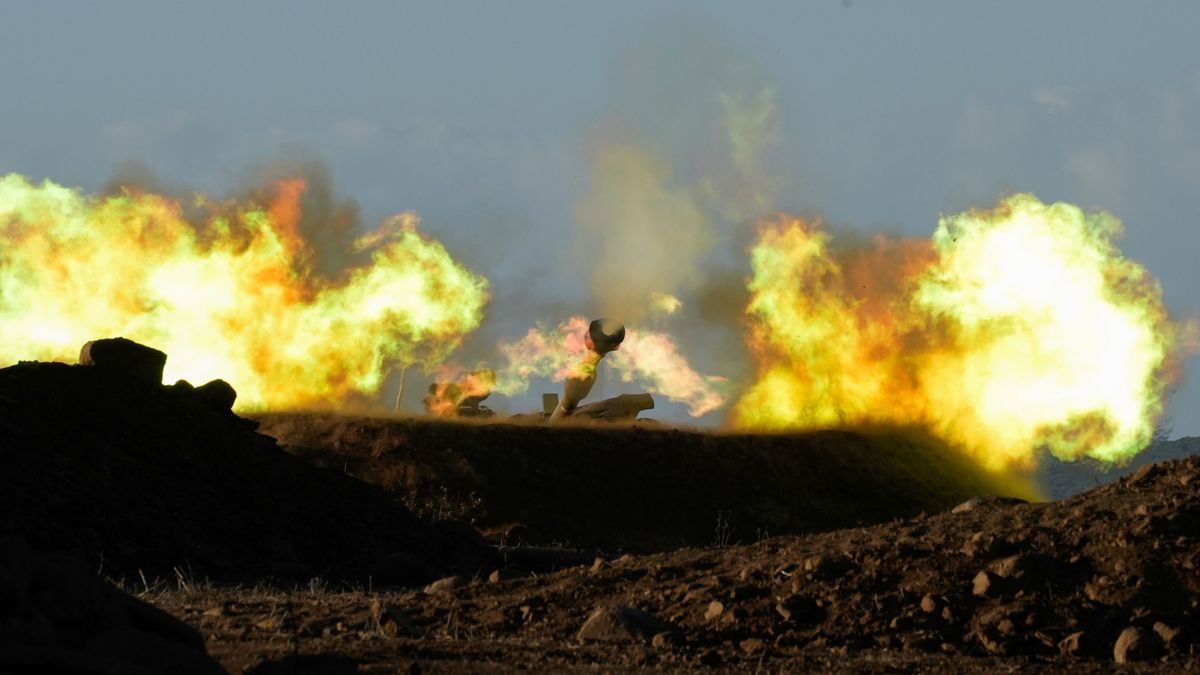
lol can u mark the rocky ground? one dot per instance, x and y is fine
(145, 528)
(1111, 576)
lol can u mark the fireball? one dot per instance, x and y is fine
(231, 294)
(1016, 328)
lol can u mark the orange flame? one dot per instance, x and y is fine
(454, 387)
(231, 295)
(1013, 329)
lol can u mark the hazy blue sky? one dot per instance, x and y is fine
(479, 115)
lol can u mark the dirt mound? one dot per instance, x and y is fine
(137, 477)
(639, 489)
(57, 616)
(1110, 575)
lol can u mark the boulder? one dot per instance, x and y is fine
(126, 356)
(59, 616)
(622, 624)
(217, 395)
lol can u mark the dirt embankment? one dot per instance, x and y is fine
(639, 489)
(135, 477)
(1108, 576)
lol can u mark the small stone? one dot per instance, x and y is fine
(662, 640)
(1005, 627)
(1008, 567)
(928, 604)
(622, 624)
(980, 584)
(715, 609)
(1130, 646)
(1165, 633)
(446, 584)
(752, 645)
(598, 565)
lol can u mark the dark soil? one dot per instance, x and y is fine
(1111, 575)
(639, 489)
(137, 478)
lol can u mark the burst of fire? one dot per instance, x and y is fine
(1015, 328)
(647, 357)
(232, 294)
(452, 389)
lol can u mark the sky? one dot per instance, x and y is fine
(484, 118)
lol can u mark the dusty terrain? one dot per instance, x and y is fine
(993, 584)
(307, 557)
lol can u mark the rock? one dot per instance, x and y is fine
(126, 356)
(982, 545)
(217, 395)
(1165, 633)
(981, 584)
(446, 584)
(598, 564)
(495, 577)
(1143, 474)
(622, 624)
(928, 604)
(1131, 646)
(752, 645)
(714, 611)
(57, 614)
(144, 652)
(1012, 566)
(527, 613)
(1005, 627)
(663, 640)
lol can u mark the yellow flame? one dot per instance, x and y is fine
(1015, 328)
(452, 387)
(648, 358)
(231, 295)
